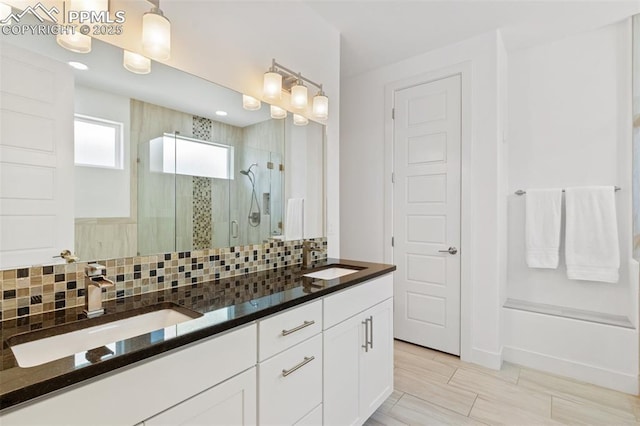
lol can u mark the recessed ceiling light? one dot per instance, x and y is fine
(78, 65)
(221, 113)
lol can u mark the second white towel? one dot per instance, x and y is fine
(591, 245)
(542, 229)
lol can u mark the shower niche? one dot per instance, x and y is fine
(220, 186)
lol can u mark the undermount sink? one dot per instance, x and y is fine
(331, 273)
(38, 347)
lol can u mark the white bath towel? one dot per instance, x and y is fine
(591, 245)
(542, 228)
(294, 220)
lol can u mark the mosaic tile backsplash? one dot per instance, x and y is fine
(40, 289)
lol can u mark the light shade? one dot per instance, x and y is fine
(250, 103)
(5, 11)
(272, 88)
(300, 120)
(89, 5)
(299, 97)
(76, 42)
(156, 35)
(136, 63)
(277, 112)
(321, 106)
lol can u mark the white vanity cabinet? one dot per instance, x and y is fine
(133, 394)
(232, 402)
(358, 352)
(325, 362)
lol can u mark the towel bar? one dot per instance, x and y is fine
(521, 192)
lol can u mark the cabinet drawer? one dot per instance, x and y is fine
(347, 303)
(314, 418)
(290, 383)
(288, 328)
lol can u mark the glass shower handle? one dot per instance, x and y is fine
(234, 229)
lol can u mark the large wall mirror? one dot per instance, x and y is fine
(152, 163)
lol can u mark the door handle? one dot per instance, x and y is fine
(234, 229)
(450, 250)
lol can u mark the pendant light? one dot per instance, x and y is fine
(75, 42)
(136, 63)
(250, 103)
(299, 96)
(320, 106)
(300, 120)
(278, 113)
(156, 34)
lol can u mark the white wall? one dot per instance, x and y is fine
(570, 125)
(100, 192)
(362, 165)
(564, 100)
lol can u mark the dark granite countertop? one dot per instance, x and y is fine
(224, 304)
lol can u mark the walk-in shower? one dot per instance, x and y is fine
(254, 209)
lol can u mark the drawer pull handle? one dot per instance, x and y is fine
(366, 334)
(300, 327)
(307, 360)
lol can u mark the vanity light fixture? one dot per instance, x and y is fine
(221, 113)
(250, 103)
(136, 63)
(278, 113)
(156, 33)
(300, 120)
(279, 78)
(320, 106)
(299, 96)
(272, 87)
(75, 42)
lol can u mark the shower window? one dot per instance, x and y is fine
(97, 142)
(185, 156)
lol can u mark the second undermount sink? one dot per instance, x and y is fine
(39, 347)
(331, 273)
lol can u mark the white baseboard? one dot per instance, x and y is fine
(587, 373)
(485, 358)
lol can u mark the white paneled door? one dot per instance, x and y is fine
(426, 214)
(36, 158)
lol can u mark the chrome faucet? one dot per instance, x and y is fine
(95, 280)
(308, 248)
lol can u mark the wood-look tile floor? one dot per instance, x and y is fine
(434, 388)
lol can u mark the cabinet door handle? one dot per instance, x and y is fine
(371, 332)
(307, 360)
(300, 327)
(366, 335)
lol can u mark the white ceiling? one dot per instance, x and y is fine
(377, 33)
